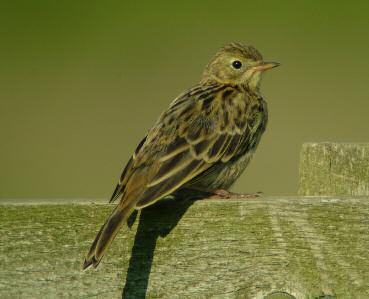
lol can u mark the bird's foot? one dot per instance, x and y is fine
(225, 194)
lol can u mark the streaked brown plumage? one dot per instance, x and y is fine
(203, 141)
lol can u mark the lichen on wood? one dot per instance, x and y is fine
(305, 247)
(334, 169)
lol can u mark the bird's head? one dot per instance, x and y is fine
(237, 64)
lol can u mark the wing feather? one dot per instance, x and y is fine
(188, 139)
(154, 193)
(127, 171)
(170, 168)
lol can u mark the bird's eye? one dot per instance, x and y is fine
(237, 64)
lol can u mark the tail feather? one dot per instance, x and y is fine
(106, 235)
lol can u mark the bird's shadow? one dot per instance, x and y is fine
(155, 221)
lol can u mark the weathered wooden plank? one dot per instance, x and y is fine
(306, 247)
(334, 169)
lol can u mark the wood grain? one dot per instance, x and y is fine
(335, 169)
(304, 247)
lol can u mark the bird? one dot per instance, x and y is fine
(202, 142)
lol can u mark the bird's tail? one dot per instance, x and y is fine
(107, 234)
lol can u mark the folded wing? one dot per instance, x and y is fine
(187, 139)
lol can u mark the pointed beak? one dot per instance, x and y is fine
(265, 66)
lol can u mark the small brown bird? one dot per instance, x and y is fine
(203, 141)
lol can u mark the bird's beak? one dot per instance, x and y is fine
(265, 66)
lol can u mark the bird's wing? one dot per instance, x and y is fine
(127, 171)
(195, 132)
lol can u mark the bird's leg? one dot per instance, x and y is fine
(198, 193)
(225, 194)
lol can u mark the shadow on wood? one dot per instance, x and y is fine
(256, 248)
(149, 229)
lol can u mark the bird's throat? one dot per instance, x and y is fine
(253, 83)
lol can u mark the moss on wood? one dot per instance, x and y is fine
(334, 169)
(211, 248)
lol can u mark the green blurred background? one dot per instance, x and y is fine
(82, 81)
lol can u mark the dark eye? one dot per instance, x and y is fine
(237, 64)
